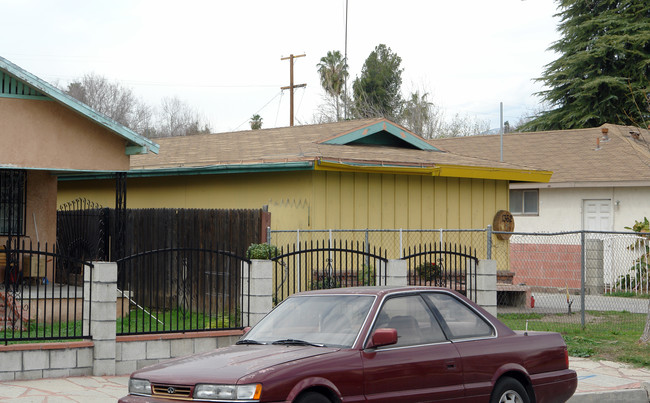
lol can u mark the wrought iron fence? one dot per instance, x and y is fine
(180, 290)
(39, 298)
(327, 264)
(577, 278)
(443, 265)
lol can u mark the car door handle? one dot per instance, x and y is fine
(451, 365)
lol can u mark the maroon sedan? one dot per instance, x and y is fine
(374, 344)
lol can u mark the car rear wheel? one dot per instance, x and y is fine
(509, 390)
(312, 397)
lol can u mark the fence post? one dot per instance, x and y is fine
(396, 272)
(486, 285)
(582, 277)
(488, 254)
(100, 315)
(259, 280)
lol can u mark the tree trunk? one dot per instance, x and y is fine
(645, 338)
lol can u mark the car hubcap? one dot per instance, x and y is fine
(511, 396)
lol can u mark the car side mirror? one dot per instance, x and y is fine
(383, 337)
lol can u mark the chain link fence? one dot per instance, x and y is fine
(559, 280)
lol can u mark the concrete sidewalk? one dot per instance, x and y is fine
(598, 381)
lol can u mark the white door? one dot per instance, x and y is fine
(597, 215)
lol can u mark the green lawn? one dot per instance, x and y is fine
(607, 335)
(139, 321)
(136, 322)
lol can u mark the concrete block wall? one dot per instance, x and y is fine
(45, 360)
(136, 352)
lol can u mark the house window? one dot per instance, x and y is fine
(12, 202)
(524, 201)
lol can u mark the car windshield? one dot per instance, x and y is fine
(320, 320)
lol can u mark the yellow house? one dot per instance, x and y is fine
(348, 175)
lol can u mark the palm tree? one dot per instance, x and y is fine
(333, 71)
(256, 122)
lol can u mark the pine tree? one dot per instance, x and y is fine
(377, 92)
(601, 75)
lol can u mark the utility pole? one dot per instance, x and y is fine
(291, 86)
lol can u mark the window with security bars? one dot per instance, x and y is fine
(12, 202)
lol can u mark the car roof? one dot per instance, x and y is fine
(376, 290)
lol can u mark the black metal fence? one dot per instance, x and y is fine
(39, 300)
(180, 290)
(321, 265)
(443, 265)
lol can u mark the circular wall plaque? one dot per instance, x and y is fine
(503, 221)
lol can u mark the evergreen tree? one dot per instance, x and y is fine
(601, 75)
(377, 92)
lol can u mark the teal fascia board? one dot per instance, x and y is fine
(378, 127)
(207, 170)
(57, 95)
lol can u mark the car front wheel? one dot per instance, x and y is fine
(312, 397)
(509, 390)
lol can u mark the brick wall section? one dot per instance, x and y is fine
(546, 265)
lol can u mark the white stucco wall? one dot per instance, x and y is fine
(560, 209)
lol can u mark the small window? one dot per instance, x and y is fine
(413, 320)
(12, 202)
(524, 201)
(462, 321)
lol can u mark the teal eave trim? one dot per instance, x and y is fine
(189, 171)
(36, 97)
(27, 78)
(375, 134)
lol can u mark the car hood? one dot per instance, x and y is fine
(226, 365)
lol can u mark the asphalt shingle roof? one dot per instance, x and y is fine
(294, 144)
(572, 155)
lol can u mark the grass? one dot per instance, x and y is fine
(139, 321)
(136, 322)
(45, 332)
(609, 336)
(627, 294)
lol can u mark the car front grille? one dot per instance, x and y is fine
(171, 391)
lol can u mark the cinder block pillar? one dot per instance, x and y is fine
(100, 290)
(595, 271)
(397, 273)
(258, 290)
(486, 285)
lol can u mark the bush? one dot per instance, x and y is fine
(428, 271)
(262, 251)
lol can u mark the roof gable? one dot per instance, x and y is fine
(383, 133)
(16, 82)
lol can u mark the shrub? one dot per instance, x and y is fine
(428, 271)
(262, 251)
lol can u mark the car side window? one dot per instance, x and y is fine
(413, 320)
(463, 322)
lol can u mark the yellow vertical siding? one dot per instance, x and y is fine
(317, 199)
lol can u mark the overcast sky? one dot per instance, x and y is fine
(223, 57)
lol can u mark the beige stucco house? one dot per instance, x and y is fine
(45, 133)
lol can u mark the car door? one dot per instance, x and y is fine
(422, 366)
(475, 339)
